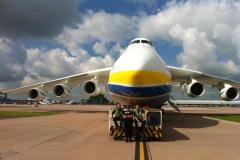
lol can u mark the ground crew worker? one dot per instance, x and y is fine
(117, 115)
(139, 117)
(128, 123)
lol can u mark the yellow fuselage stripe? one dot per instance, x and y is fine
(139, 77)
(141, 151)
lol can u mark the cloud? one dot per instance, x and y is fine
(236, 39)
(36, 18)
(117, 49)
(42, 65)
(100, 48)
(95, 29)
(200, 53)
(103, 48)
(208, 31)
(101, 26)
(13, 57)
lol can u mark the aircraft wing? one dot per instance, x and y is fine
(74, 80)
(181, 76)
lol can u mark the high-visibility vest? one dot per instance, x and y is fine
(139, 114)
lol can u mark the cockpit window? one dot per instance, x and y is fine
(136, 41)
(144, 41)
(141, 41)
(147, 42)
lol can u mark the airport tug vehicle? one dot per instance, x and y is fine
(151, 131)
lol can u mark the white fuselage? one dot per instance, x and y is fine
(140, 76)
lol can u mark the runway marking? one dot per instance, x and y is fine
(141, 150)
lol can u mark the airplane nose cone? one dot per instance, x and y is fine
(140, 58)
(139, 72)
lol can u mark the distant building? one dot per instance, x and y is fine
(5, 100)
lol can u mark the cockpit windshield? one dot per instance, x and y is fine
(136, 41)
(141, 41)
(144, 41)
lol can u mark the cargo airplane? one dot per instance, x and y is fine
(139, 76)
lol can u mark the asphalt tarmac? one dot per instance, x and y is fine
(81, 132)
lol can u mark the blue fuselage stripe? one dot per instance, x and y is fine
(149, 91)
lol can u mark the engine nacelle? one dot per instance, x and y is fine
(193, 89)
(61, 90)
(229, 93)
(92, 88)
(36, 94)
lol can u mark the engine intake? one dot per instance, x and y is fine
(61, 90)
(194, 89)
(36, 94)
(229, 93)
(92, 88)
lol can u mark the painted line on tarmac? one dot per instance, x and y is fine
(137, 150)
(141, 150)
(142, 153)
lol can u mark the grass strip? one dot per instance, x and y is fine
(10, 114)
(234, 118)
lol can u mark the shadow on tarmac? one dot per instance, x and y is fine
(172, 122)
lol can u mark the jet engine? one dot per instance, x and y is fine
(92, 87)
(36, 94)
(229, 93)
(193, 89)
(62, 90)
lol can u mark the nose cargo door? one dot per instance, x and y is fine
(152, 130)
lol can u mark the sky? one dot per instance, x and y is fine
(44, 40)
